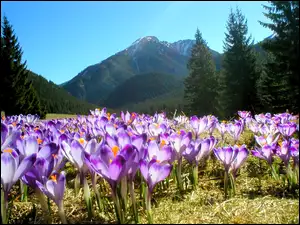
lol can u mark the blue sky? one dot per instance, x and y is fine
(60, 39)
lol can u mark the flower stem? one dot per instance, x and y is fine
(195, 176)
(24, 191)
(148, 206)
(61, 213)
(178, 175)
(77, 184)
(133, 200)
(117, 206)
(44, 205)
(226, 183)
(97, 193)
(87, 197)
(4, 207)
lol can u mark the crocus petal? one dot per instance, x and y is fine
(31, 145)
(77, 153)
(4, 132)
(24, 166)
(91, 146)
(153, 149)
(158, 172)
(139, 140)
(48, 150)
(111, 141)
(165, 154)
(116, 167)
(8, 168)
(144, 169)
(123, 139)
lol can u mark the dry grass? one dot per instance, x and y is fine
(50, 116)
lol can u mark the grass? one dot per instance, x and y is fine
(256, 201)
(50, 116)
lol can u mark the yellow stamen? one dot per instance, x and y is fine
(81, 141)
(162, 143)
(39, 141)
(62, 131)
(152, 138)
(3, 117)
(158, 161)
(115, 126)
(129, 133)
(178, 132)
(115, 150)
(54, 178)
(14, 124)
(81, 134)
(22, 136)
(9, 150)
(54, 156)
(110, 161)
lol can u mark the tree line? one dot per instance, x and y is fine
(246, 80)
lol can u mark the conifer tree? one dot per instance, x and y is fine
(200, 86)
(17, 94)
(239, 70)
(284, 48)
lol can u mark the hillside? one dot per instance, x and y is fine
(144, 87)
(146, 55)
(55, 99)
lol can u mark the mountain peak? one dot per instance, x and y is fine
(146, 39)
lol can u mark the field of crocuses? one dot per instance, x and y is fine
(125, 165)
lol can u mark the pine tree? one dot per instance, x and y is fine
(284, 47)
(200, 86)
(239, 73)
(17, 94)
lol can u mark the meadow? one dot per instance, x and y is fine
(197, 170)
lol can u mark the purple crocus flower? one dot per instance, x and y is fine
(155, 129)
(269, 140)
(179, 142)
(295, 151)
(240, 158)
(287, 129)
(222, 128)
(8, 136)
(12, 168)
(154, 172)
(55, 187)
(205, 147)
(235, 129)
(199, 125)
(252, 125)
(244, 114)
(226, 155)
(283, 150)
(159, 152)
(266, 152)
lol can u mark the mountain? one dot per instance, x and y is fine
(55, 99)
(146, 55)
(143, 87)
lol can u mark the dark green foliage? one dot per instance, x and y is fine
(239, 69)
(200, 86)
(142, 87)
(283, 75)
(17, 94)
(55, 99)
